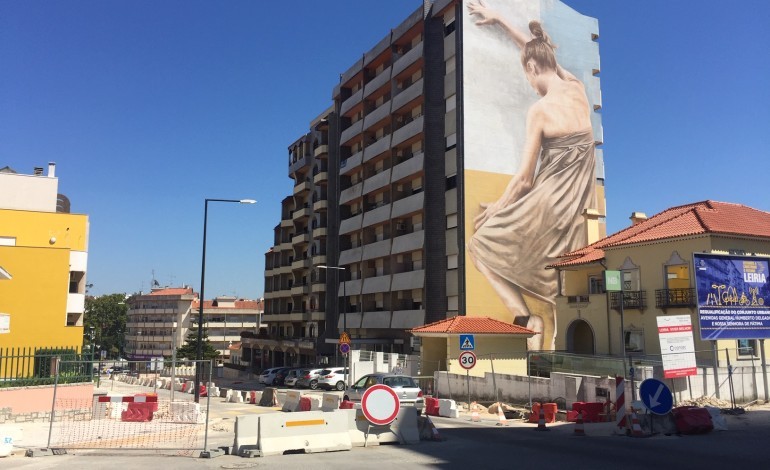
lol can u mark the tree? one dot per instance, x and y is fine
(190, 349)
(107, 315)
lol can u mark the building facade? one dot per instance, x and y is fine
(389, 180)
(160, 321)
(655, 257)
(44, 248)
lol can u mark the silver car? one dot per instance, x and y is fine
(308, 378)
(409, 393)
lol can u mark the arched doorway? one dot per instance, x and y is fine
(580, 338)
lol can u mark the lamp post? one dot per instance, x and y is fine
(199, 354)
(344, 315)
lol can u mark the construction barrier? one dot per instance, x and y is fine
(402, 430)
(448, 408)
(246, 434)
(314, 431)
(431, 406)
(620, 402)
(269, 397)
(185, 412)
(304, 403)
(292, 401)
(330, 402)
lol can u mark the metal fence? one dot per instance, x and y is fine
(128, 411)
(24, 367)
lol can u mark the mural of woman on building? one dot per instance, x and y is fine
(539, 216)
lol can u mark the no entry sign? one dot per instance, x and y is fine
(380, 404)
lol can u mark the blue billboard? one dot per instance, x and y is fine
(733, 296)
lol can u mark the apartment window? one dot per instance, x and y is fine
(595, 284)
(451, 103)
(451, 141)
(634, 340)
(747, 348)
(449, 28)
(451, 182)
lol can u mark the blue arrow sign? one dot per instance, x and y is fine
(467, 343)
(656, 396)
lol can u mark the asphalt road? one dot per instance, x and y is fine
(468, 445)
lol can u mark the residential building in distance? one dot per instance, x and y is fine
(44, 251)
(160, 321)
(425, 129)
(656, 259)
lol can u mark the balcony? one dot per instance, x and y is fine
(287, 223)
(377, 148)
(351, 163)
(300, 290)
(376, 319)
(301, 214)
(300, 239)
(301, 162)
(407, 59)
(374, 250)
(407, 95)
(301, 187)
(377, 284)
(634, 300)
(408, 280)
(351, 256)
(317, 287)
(376, 182)
(408, 167)
(351, 193)
(409, 242)
(321, 205)
(76, 303)
(321, 150)
(351, 224)
(377, 115)
(300, 264)
(354, 99)
(408, 205)
(578, 300)
(318, 259)
(673, 298)
(321, 176)
(352, 131)
(408, 131)
(319, 232)
(380, 213)
(377, 82)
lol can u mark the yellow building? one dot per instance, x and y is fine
(655, 257)
(44, 248)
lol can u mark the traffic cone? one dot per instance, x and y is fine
(501, 421)
(541, 421)
(474, 413)
(636, 428)
(579, 426)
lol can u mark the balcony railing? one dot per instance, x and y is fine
(635, 299)
(675, 298)
(578, 299)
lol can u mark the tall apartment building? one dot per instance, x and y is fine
(159, 321)
(44, 249)
(426, 127)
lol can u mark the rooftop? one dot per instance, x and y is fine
(472, 325)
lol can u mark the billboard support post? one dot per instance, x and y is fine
(764, 369)
(716, 366)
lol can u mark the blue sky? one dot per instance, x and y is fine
(149, 107)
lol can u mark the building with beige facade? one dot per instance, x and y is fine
(655, 258)
(160, 321)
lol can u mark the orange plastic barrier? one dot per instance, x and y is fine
(347, 405)
(304, 403)
(533, 418)
(550, 412)
(138, 413)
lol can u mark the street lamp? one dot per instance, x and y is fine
(199, 355)
(344, 313)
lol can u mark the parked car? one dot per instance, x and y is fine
(280, 376)
(291, 377)
(268, 375)
(308, 378)
(409, 393)
(332, 378)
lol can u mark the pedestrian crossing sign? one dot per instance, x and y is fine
(467, 343)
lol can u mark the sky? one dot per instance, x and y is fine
(150, 107)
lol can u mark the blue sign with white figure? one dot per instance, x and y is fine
(467, 343)
(656, 396)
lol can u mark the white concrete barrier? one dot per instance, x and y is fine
(185, 412)
(330, 402)
(315, 402)
(246, 433)
(448, 408)
(292, 401)
(9, 434)
(314, 431)
(402, 430)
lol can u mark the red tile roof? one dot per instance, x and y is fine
(473, 325)
(691, 219)
(172, 291)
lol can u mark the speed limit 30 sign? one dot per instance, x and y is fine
(467, 360)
